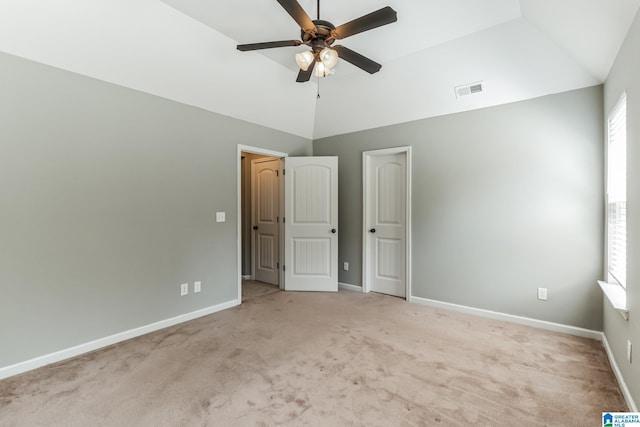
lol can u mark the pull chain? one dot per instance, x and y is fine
(318, 95)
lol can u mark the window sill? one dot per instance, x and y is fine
(617, 296)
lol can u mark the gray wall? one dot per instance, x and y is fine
(107, 203)
(624, 76)
(505, 200)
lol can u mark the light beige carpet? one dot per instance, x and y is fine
(325, 360)
(254, 289)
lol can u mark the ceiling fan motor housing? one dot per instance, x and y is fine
(321, 38)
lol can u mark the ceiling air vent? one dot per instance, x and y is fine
(469, 89)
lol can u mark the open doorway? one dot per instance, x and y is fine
(260, 200)
(310, 260)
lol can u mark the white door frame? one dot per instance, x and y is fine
(366, 256)
(264, 152)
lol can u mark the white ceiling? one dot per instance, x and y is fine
(184, 50)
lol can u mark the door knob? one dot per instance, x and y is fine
(373, 230)
(333, 230)
(255, 227)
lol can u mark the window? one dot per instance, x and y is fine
(617, 194)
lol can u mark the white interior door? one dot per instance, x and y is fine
(265, 206)
(311, 224)
(386, 221)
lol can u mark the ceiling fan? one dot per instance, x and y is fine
(320, 35)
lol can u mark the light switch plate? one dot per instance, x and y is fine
(220, 217)
(197, 287)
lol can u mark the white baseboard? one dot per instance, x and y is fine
(18, 368)
(541, 324)
(616, 370)
(348, 287)
(247, 277)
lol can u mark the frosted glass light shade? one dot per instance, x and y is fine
(329, 57)
(304, 59)
(321, 70)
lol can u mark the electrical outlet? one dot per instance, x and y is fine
(542, 294)
(197, 286)
(184, 289)
(629, 350)
(220, 216)
(345, 266)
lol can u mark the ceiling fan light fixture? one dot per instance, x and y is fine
(322, 71)
(328, 57)
(305, 59)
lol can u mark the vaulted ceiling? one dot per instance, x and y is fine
(185, 50)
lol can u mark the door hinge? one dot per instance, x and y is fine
(283, 172)
(277, 265)
(277, 174)
(277, 219)
(283, 221)
(283, 269)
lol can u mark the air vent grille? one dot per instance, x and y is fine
(476, 88)
(469, 89)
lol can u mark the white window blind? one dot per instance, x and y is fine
(617, 193)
